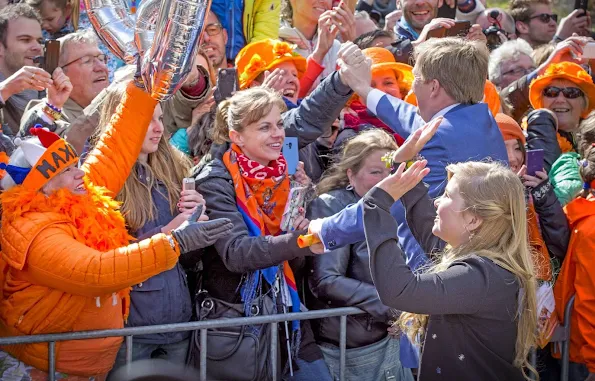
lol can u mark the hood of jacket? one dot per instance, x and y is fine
(580, 209)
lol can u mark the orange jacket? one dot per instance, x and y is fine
(64, 274)
(577, 278)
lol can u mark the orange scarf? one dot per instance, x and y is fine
(540, 254)
(263, 199)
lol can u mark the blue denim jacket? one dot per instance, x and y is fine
(164, 298)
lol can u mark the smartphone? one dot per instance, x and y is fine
(460, 29)
(227, 84)
(589, 50)
(291, 154)
(581, 4)
(534, 161)
(447, 12)
(188, 183)
(51, 56)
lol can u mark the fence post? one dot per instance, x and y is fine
(128, 350)
(533, 362)
(203, 354)
(52, 360)
(274, 343)
(342, 346)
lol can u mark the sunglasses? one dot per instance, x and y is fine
(545, 17)
(568, 92)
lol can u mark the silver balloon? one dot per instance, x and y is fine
(146, 21)
(168, 62)
(114, 25)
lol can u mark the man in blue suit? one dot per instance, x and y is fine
(450, 75)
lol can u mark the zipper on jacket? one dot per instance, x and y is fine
(232, 25)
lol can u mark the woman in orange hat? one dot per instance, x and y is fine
(568, 91)
(276, 57)
(388, 76)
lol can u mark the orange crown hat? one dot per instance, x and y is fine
(383, 59)
(46, 160)
(260, 56)
(490, 96)
(563, 70)
(509, 128)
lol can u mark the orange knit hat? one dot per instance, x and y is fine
(260, 56)
(509, 128)
(563, 70)
(46, 160)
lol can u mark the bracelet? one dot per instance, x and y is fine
(51, 112)
(56, 109)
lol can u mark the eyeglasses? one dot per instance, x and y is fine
(568, 92)
(213, 29)
(519, 71)
(89, 59)
(545, 17)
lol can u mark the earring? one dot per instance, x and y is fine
(471, 234)
(349, 187)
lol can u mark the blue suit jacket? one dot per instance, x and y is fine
(467, 133)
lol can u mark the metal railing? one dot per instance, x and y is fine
(202, 326)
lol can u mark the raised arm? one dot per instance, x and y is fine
(420, 214)
(316, 114)
(446, 292)
(57, 260)
(110, 162)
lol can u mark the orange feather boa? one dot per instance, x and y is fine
(96, 216)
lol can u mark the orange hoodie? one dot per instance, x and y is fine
(577, 277)
(68, 265)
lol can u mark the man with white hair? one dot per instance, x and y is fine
(85, 65)
(509, 62)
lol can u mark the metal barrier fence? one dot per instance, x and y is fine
(202, 326)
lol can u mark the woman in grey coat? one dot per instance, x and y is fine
(342, 277)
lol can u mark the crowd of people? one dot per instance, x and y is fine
(446, 186)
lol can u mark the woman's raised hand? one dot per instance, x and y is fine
(416, 141)
(402, 181)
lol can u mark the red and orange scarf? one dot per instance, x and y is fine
(261, 195)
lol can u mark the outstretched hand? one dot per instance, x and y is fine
(193, 235)
(416, 141)
(402, 181)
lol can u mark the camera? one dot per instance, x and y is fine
(494, 31)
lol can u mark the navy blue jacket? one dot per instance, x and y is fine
(164, 298)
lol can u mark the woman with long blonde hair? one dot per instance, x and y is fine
(476, 307)
(153, 201)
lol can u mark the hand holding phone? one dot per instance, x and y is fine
(535, 160)
(227, 84)
(51, 57)
(460, 29)
(291, 154)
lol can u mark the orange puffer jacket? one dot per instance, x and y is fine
(577, 278)
(67, 259)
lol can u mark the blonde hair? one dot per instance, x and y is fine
(460, 66)
(353, 155)
(243, 108)
(494, 194)
(167, 165)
